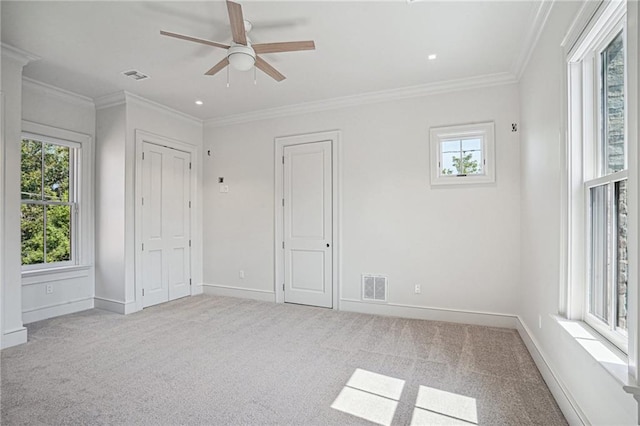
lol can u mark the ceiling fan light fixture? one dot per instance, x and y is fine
(241, 58)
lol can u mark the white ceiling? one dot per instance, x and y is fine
(360, 47)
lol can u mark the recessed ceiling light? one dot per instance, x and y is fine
(198, 102)
(432, 56)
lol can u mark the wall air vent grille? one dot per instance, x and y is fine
(374, 288)
(136, 75)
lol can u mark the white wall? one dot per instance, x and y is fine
(593, 391)
(110, 204)
(460, 243)
(13, 332)
(72, 290)
(115, 192)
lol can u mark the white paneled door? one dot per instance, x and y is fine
(308, 224)
(166, 225)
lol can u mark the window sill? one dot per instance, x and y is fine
(36, 276)
(603, 352)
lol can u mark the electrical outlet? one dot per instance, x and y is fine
(49, 288)
(241, 274)
(417, 289)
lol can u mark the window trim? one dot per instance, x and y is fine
(438, 135)
(80, 257)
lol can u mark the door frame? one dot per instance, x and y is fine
(334, 136)
(142, 136)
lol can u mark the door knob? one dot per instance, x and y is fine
(327, 244)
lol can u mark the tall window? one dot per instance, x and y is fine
(598, 104)
(607, 198)
(49, 205)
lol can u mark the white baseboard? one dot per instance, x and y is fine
(13, 338)
(116, 306)
(246, 293)
(563, 397)
(57, 309)
(433, 314)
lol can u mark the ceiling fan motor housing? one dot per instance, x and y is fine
(241, 57)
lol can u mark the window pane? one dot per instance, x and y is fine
(467, 164)
(58, 233)
(451, 146)
(31, 165)
(613, 106)
(598, 295)
(56, 172)
(32, 230)
(472, 144)
(475, 161)
(447, 164)
(621, 255)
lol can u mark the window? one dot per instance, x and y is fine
(462, 154)
(597, 103)
(49, 207)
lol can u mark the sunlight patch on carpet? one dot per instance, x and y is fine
(370, 396)
(438, 407)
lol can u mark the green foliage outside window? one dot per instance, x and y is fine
(464, 165)
(46, 209)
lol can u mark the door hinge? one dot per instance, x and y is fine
(189, 281)
(283, 159)
(143, 201)
(189, 204)
(282, 286)
(283, 202)
(143, 291)
(189, 165)
(283, 244)
(143, 155)
(189, 243)
(142, 246)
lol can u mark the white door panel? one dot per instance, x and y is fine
(165, 224)
(308, 224)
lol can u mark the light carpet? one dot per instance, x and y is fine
(228, 361)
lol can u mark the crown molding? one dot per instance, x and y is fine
(19, 55)
(124, 97)
(108, 101)
(531, 38)
(133, 98)
(366, 98)
(62, 94)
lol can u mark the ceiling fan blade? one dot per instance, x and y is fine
(217, 67)
(287, 46)
(194, 39)
(237, 22)
(268, 69)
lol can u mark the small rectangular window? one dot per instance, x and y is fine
(49, 205)
(462, 154)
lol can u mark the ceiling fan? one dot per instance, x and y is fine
(241, 54)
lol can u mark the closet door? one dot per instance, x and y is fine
(166, 227)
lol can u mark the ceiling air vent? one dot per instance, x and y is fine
(374, 288)
(136, 75)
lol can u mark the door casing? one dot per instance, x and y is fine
(142, 136)
(280, 142)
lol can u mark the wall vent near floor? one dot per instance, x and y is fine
(374, 288)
